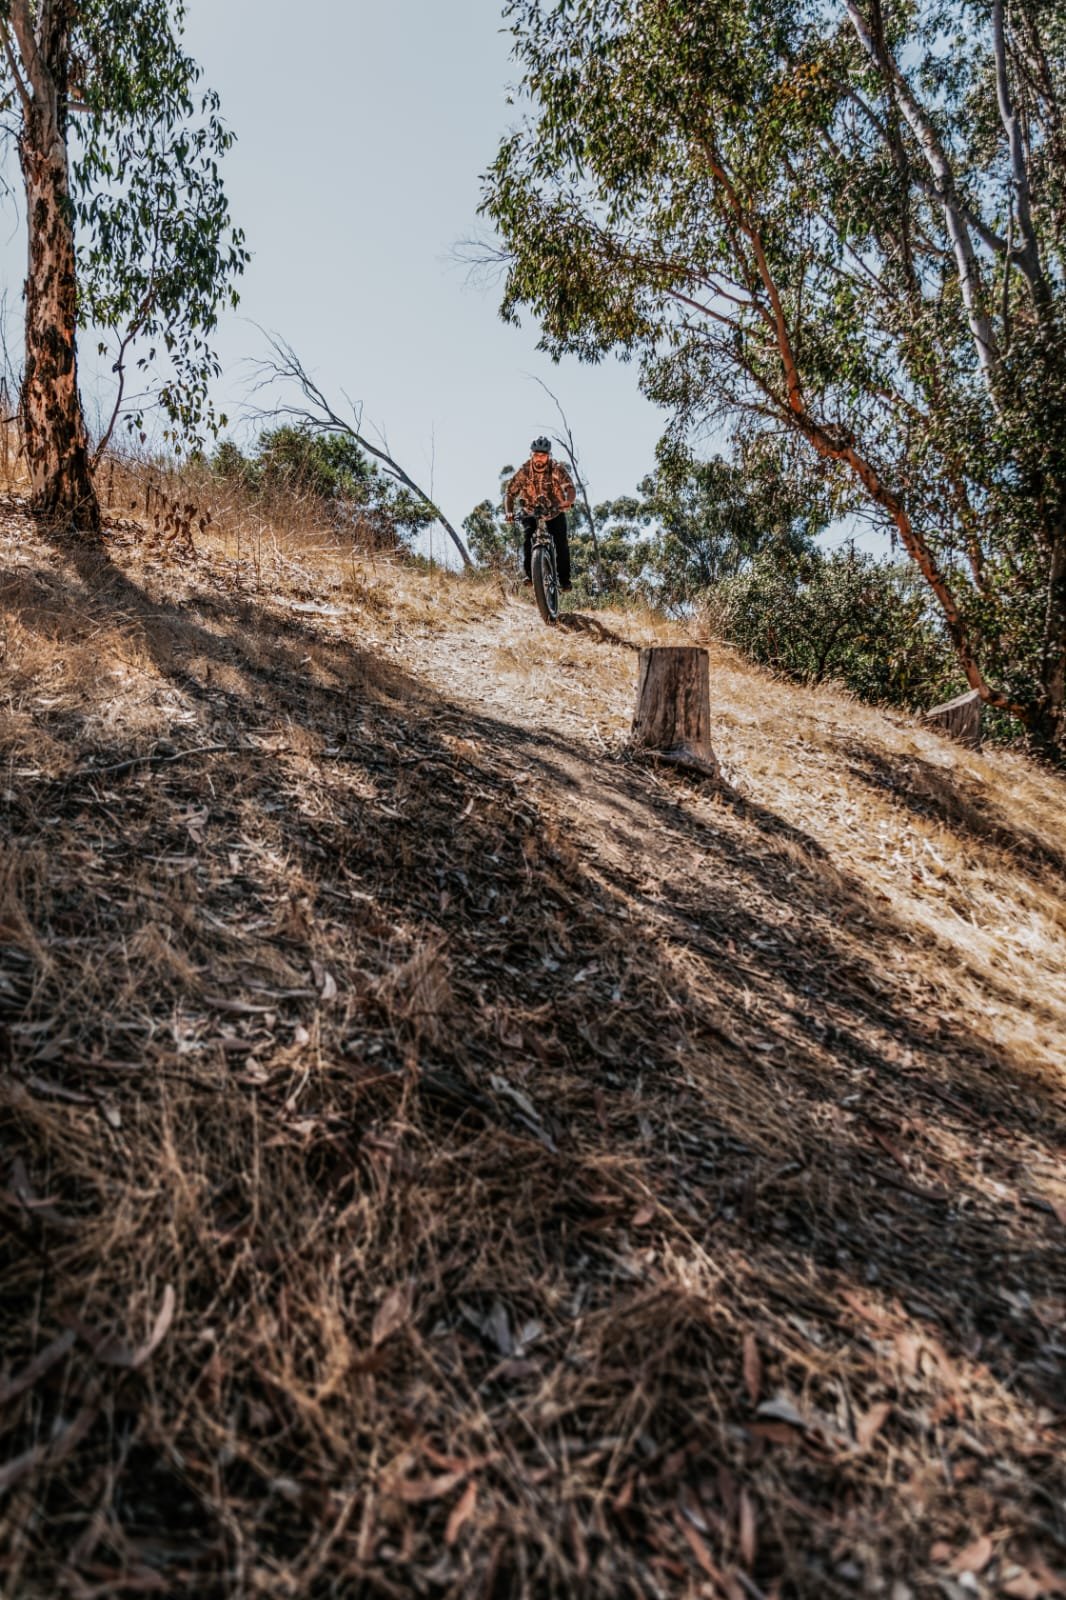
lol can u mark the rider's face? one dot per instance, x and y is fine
(539, 457)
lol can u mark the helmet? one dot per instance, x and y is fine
(541, 444)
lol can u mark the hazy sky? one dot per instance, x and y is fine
(362, 131)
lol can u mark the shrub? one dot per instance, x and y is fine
(331, 472)
(845, 616)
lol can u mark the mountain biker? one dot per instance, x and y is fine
(542, 479)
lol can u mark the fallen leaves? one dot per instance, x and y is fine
(392, 1314)
(747, 1530)
(114, 1353)
(871, 1422)
(1033, 1581)
(975, 1557)
(408, 1052)
(752, 1368)
(462, 1513)
(417, 1491)
(41, 1364)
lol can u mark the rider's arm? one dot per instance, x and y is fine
(512, 491)
(567, 492)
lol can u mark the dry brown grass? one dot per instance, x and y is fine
(440, 1156)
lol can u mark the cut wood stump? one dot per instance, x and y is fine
(673, 716)
(960, 718)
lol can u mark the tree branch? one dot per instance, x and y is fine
(566, 440)
(836, 445)
(40, 79)
(136, 324)
(22, 88)
(288, 368)
(987, 235)
(1028, 257)
(944, 184)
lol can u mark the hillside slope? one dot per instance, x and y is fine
(440, 1155)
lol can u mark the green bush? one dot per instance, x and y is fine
(843, 616)
(329, 470)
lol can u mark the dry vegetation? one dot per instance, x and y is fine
(439, 1156)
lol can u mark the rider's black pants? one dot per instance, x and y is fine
(557, 529)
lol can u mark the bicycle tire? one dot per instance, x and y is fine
(546, 585)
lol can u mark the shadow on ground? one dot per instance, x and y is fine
(438, 1160)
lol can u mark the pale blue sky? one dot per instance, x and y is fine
(362, 131)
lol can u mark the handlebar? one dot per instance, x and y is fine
(540, 509)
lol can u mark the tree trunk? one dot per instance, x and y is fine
(1052, 732)
(53, 424)
(959, 718)
(673, 716)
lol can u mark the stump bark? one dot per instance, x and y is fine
(960, 718)
(673, 715)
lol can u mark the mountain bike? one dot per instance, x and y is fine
(543, 570)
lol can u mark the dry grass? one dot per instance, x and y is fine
(439, 1156)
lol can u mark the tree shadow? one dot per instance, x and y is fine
(712, 1011)
(928, 792)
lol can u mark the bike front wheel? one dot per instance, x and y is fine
(546, 584)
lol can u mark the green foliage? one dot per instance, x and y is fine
(829, 225)
(694, 522)
(326, 466)
(623, 549)
(231, 465)
(493, 541)
(844, 616)
(328, 469)
(157, 254)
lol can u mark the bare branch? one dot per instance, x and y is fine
(565, 440)
(317, 411)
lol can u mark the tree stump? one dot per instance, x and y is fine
(959, 718)
(673, 716)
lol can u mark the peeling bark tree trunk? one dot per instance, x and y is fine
(53, 423)
(673, 717)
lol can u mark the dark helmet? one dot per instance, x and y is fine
(540, 444)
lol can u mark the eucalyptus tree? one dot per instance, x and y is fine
(129, 230)
(698, 521)
(839, 220)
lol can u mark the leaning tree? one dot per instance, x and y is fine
(129, 231)
(842, 221)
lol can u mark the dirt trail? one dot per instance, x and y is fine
(509, 661)
(440, 1154)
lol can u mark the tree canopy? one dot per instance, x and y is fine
(129, 228)
(158, 254)
(846, 227)
(694, 522)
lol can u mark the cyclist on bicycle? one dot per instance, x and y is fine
(542, 480)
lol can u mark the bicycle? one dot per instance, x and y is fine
(543, 569)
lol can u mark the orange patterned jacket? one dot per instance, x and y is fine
(551, 482)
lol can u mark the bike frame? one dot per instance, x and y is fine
(545, 583)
